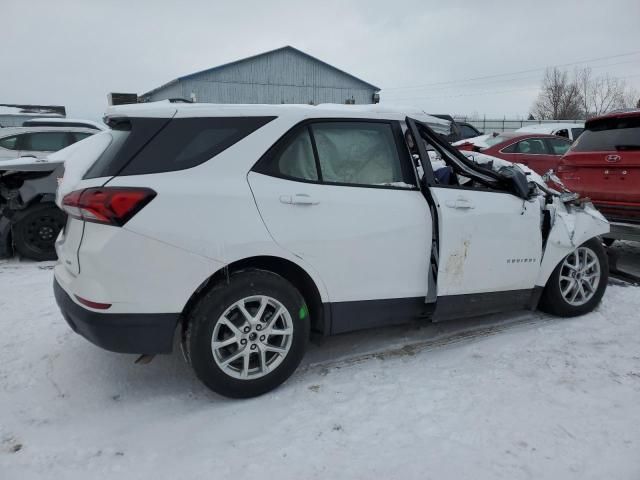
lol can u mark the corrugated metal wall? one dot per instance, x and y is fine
(283, 76)
(17, 120)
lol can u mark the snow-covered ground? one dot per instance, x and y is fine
(515, 396)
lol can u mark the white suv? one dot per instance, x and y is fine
(243, 228)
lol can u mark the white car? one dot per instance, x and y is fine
(241, 228)
(567, 130)
(38, 142)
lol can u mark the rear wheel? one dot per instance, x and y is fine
(36, 229)
(577, 284)
(248, 335)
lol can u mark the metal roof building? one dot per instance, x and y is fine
(284, 75)
(13, 115)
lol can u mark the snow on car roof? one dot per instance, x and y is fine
(549, 127)
(8, 131)
(295, 111)
(66, 121)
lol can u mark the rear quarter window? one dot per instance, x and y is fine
(153, 145)
(10, 143)
(187, 142)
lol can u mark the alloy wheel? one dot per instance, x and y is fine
(252, 337)
(579, 276)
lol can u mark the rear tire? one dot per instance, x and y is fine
(36, 229)
(571, 289)
(247, 335)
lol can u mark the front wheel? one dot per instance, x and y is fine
(247, 335)
(578, 283)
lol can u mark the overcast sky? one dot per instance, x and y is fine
(73, 53)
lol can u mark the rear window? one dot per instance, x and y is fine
(610, 134)
(155, 145)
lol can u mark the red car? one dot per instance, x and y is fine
(537, 151)
(604, 165)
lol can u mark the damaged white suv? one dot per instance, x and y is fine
(241, 229)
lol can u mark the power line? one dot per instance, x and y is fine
(465, 94)
(514, 73)
(520, 79)
(498, 92)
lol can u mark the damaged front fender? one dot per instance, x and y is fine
(571, 226)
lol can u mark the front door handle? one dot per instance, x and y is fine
(460, 203)
(298, 199)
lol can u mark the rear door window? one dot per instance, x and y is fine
(358, 153)
(531, 146)
(610, 135)
(558, 146)
(45, 141)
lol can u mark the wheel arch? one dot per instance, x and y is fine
(569, 230)
(319, 312)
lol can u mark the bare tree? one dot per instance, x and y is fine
(584, 80)
(629, 98)
(602, 94)
(559, 97)
(608, 93)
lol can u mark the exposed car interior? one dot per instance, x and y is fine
(449, 167)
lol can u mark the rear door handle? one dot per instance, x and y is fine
(298, 199)
(460, 203)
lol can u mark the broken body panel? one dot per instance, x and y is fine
(23, 182)
(484, 224)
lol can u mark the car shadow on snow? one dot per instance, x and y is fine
(169, 375)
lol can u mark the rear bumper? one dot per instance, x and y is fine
(143, 333)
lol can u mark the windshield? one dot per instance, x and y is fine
(609, 134)
(576, 132)
(491, 141)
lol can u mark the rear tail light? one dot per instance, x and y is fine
(107, 205)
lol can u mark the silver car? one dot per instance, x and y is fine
(38, 142)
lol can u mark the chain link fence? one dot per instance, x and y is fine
(488, 125)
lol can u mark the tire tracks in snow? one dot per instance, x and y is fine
(437, 342)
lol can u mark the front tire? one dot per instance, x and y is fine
(36, 229)
(577, 284)
(247, 335)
